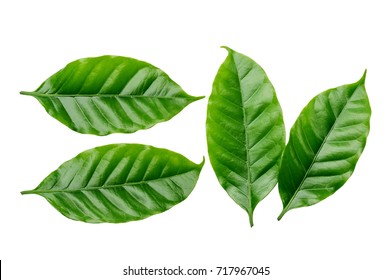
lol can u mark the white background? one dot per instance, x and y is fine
(305, 47)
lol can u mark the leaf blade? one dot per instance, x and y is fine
(245, 131)
(111, 94)
(324, 146)
(119, 183)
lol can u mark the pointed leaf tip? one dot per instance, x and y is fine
(227, 48)
(198, 97)
(362, 80)
(203, 161)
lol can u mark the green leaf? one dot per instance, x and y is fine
(119, 183)
(245, 131)
(111, 94)
(324, 145)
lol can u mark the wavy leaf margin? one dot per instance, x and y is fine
(245, 131)
(111, 94)
(324, 145)
(119, 183)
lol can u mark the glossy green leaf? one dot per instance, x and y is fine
(324, 145)
(245, 131)
(110, 94)
(119, 183)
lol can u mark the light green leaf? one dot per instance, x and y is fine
(111, 94)
(119, 183)
(324, 146)
(245, 131)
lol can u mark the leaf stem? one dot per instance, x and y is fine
(282, 213)
(250, 217)
(28, 192)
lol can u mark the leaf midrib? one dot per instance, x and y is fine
(97, 95)
(131, 184)
(249, 189)
(287, 207)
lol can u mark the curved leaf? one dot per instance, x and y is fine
(119, 183)
(324, 146)
(245, 131)
(109, 94)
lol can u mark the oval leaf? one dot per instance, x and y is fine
(245, 131)
(119, 183)
(324, 145)
(109, 94)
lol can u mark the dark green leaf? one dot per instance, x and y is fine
(324, 145)
(110, 94)
(119, 183)
(245, 131)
